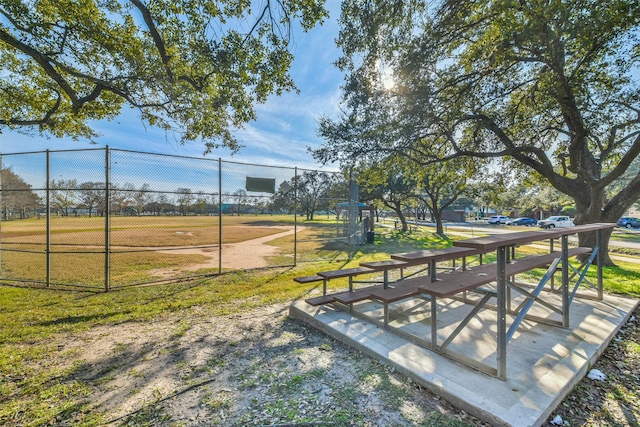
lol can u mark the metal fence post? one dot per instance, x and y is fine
(1, 216)
(219, 215)
(48, 218)
(295, 218)
(107, 222)
(354, 208)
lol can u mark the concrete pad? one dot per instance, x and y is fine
(544, 362)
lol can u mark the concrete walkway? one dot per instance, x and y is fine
(543, 362)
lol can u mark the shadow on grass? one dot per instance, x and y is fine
(70, 320)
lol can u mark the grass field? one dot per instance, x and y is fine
(78, 246)
(143, 231)
(40, 384)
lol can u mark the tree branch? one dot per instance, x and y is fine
(155, 35)
(624, 162)
(44, 61)
(41, 122)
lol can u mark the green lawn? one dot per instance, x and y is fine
(35, 320)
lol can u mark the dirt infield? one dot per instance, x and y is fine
(252, 253)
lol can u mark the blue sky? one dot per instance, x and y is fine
(286, 126)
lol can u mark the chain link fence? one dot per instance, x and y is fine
(107, 218)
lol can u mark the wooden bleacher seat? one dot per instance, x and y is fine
(357, 295)
(386, 264)
(308, 279)
(323, 299)
(460, 281)
(345, 272)
(469, 279)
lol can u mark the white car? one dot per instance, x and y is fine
(498, 219)
(556, 221)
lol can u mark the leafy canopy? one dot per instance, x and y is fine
(194, 68)
(547, 86)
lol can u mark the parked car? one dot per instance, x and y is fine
(556, 221)
(628, 222)
(522, 221)
(498, 219)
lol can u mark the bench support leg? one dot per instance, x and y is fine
(466, 320)
(581, 273)
(501, 351)
(552, 281)
(600, 264)
(531, 297)
(434, 326)
(565, 281)
(386, 315)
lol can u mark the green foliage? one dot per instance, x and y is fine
(545, 87)
(16, 194)
(389, 182)
(313, 190)
(568, 210)
(36, 391)
(193, 67)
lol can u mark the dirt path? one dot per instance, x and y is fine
(251, 253)
(248, 254)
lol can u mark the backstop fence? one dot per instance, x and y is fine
(106, 218)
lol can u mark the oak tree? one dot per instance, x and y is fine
(548, 87)
(18, 198)
(194, 68)
(388, 182)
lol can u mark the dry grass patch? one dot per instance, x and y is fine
(139, 231)
(88, 269)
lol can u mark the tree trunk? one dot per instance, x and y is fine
(437, 214)
(589, 213)
(403, 221)
(590, 240)
(398, 210)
